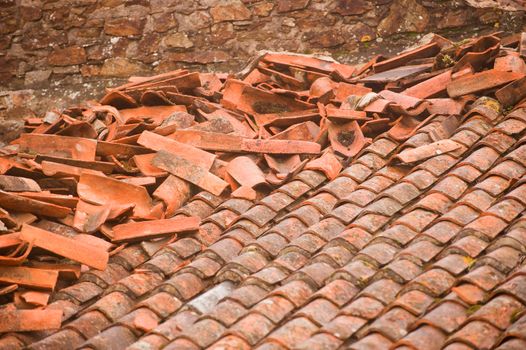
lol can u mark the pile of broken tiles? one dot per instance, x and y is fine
(84, 188)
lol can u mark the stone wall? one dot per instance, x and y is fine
(43, 41)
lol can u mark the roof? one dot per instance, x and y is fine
(304, 205)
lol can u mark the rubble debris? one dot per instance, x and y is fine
(146, 166)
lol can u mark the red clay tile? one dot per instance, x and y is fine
(431, 87)
(414, 301)
(119, 336)
(231, 143)
(512, 93)
(448, 316)
(393, 324)
(89, 217)
(144, 164)
(228, 312)
(346, 139)
(252, 328)
(291, 252)
(174, 192)
(372, 341)
(481, 81)
(192, 154)
(424, 337)
(307, 62)
(35, 298)
(20, 203)
(427, 151)
(510, 63)
(18, 184)
(327, 163)
(29, 277)
(153, 229)
(293, 332)
(67, 247)
(30, 320)
(186, 170)
(59, 146)
(499, 312)
(106, 191)
(230, 342)
(477, 334)
(64, 170)
(512, 344)
(484, 277)
(245, 172)
(428, 50)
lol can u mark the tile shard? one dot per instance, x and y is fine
(231, 143)
(90, 217)
(195, 155)
(184, 169)
(245, 172)
(103, 190)
(346, 139)
(35, 298)
(328, 163)
(396, 74)
(512, 93)
(29, 320)
(428, 50)
(29, 277)
(105, 167)
(58, 146)
(478, 82)
(138, 231)
(18, 184)
(19, 203)
(64, 170)
(69, 248)
(430, 87)
(174, 192)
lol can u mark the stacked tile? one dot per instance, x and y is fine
(301, 204)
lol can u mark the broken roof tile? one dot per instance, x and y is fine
(192, 154)
(193, 173)
(428, 50)
(231, 143)
(30, 320)
(103, 190)
(206, 181)
(66, 247)
(481, 81)
(58, 146)
(137, 231)
(29, 277)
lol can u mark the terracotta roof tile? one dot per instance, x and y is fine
(293, 251)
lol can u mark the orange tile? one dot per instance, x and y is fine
(58, 146)
(186, 170)
(137, 231)
(103, 190)
(481, 81)
(30, 320)
(29, 277)
(66, 247)
(20, 203)
(194, 155)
